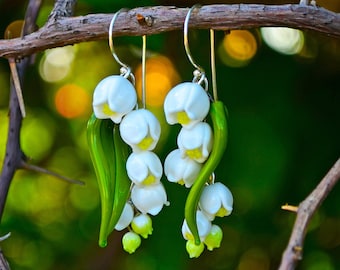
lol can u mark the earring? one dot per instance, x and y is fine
(141, 130)
(200, 149)
(115, 95)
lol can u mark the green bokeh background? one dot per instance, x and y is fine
(284, 136)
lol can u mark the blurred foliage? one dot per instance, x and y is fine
(284, 136)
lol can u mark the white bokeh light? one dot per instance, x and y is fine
(56, 63)
(283, 39)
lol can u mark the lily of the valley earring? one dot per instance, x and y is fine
(129, 181)
(200, 149)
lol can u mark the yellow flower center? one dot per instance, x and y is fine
(107, 110)
(189, 236)
(181, 182)
(149, 180)
(194, 153)
(183, 118)
(145, 143)
(222, 212)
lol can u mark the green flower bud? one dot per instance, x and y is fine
(131, 241)
(142, 224)
(214, 238)
(194, 250)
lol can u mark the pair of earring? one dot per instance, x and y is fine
(200, 148)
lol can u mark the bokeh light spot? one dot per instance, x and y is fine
(72, 101)
(13, 30)
(283, 39)
(37, 135)
(238, 48)
(161, 76)
(240, 44)
(56, 63)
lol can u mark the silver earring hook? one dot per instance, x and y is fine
(199, 73)
(125, 69)
(144, 72)
(213, 65)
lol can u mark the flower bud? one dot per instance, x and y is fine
(194, 250)
(214, 238)
(142, 224)
(131, 241)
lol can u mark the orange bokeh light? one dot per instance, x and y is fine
(240, 44)
(72, 101)
(161, 76)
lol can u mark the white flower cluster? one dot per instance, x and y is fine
(114, 98)
(216, 201)
(188, 104)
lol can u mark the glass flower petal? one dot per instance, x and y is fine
(125, 218)
(144, 168)
(141, 130)
(214, 238)
(194, 250)
(149, 199)
(196, 143)
(216, 200)
(203, 225)
(187, 103)
(114, 97)
(131, 241)
(182, 170)
(142, 224)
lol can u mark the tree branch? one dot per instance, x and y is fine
(306, 210)
(14, 154)
(67, 31)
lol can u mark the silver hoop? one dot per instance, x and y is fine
(125, 70)
(199, 73)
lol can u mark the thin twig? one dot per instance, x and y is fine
(38, 169)
(72, 30)
(306, 210)
(14, 154)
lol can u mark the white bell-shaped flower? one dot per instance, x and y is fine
(203, 226)
(149, 199)
(216, 200)
(125, 218)
(187, 103)
(141, 130)
(144, 168)
(114, 97)
(196, 143)
(182, 170)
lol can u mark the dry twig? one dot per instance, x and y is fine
(305, 212)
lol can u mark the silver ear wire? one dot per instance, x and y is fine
(199, 73)
(213, 66)
(144, 72)
(125, 70)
